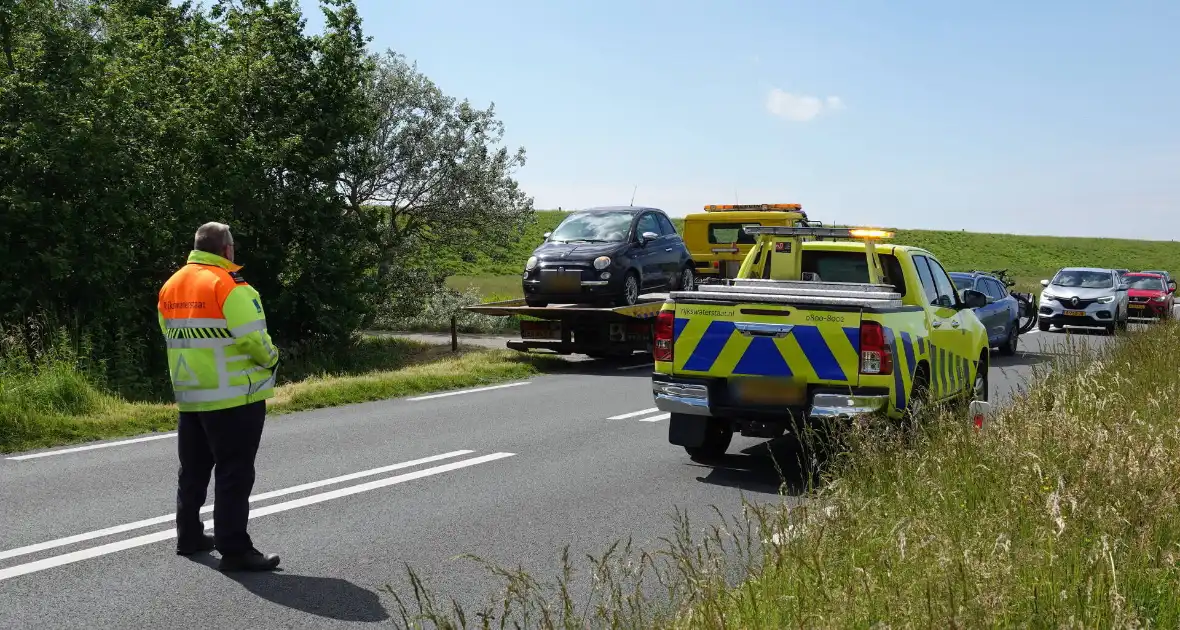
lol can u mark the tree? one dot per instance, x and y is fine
(431, 171)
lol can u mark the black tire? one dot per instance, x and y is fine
(631, 290)
(919, 397)
(718, 435)
(687, 280)
(1008, 348)
(540, 303)
(1122, 323)
(981, 386)
(1043, 325)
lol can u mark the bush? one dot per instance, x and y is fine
(440, 305)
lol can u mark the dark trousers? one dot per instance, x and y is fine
(223, 441)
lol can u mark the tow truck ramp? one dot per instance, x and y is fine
(595, 331)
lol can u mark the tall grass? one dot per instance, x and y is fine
(1064, 511)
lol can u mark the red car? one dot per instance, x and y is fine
(1150, 296)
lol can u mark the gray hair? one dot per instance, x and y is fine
(213, 238)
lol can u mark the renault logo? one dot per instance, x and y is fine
(1073, 300)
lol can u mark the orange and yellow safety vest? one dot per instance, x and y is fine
(219, 352)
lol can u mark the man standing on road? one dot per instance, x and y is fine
(222, 364)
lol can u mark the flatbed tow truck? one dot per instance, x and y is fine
(597, 332)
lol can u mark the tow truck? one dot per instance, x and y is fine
(820, 324)
(597, 332)
(717, 242)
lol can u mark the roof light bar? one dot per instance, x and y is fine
(756, 206)
(828, 232)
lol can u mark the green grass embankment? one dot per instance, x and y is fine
(57, 404)
(1061, 512)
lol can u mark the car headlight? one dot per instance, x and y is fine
(602, 262)
(1160, 298)
(1045, 295)
(531, 263)
(1106, 300)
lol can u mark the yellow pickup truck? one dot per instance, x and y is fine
(717, 242)
(819, 324)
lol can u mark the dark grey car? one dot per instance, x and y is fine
(609, 254)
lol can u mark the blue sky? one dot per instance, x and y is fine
(1042, 117)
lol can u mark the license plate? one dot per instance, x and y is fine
(554, 281)
(1139, 306)
(1075, 313)
(540, 330)
(768, 391)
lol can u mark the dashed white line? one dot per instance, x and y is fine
(168, 518)
(147, 539)
(91, 447)
(468, 391)
(624, 416)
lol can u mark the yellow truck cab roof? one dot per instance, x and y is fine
(743, 215)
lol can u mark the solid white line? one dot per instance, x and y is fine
(468, 391)
(662, 416)
(168, 518)
(636, 367)
(147, 539)
(91, 447)
(624, 416)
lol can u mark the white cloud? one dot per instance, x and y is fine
(799, 108)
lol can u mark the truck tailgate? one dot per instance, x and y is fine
(768, 353)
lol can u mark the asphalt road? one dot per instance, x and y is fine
(509, 473)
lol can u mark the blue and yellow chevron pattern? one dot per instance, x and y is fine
(827, 355)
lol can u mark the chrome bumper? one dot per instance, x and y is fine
(681, 398)
(845, 406)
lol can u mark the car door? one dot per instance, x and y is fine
(947, 368)
(996, 312)
(672, 249)
(649, 256)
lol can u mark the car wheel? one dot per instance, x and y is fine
(718, 435)
(980, 388)
(688, 279)
(630, 293)
(1043, 325)
(539, 303)
(1009, 346)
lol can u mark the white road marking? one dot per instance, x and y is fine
(147, 539)
(662, 416)
(91, 447)
(624, 416)
(468, 391)
(636, 367)
(168, 518)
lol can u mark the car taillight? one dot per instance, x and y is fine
(664, 332)
(875, 357)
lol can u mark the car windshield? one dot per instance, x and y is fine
(963, 282)
(593, 227)
(1149, 283)
(726, 233)
(1081, 279)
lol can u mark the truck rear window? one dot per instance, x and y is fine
(726, 233)
(851, 267)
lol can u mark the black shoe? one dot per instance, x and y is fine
(252, 560)
(188, 548)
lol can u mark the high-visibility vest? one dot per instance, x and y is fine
(219, 352)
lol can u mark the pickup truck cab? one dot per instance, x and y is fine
(717, 242)
(812, 331)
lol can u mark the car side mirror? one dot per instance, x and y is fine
(974, 299)
(546, 235)
(648, 237)
(1123, 286)
(1171, 286)
(1044, 283)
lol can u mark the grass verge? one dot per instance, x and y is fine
(57, 405)
(1062, 512)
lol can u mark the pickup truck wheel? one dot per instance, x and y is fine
(980, 388)
(919, 397)
(718, 435)
(1009, 347)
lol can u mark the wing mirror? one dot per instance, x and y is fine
(1171, 286)
(546, 235)
(1123, 286)
(974, 299)
(648, 237)
(1044, 283)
